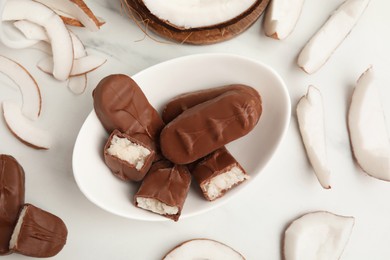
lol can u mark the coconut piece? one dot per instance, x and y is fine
(367, 128)
(57, 32)
(72, 21)
(202, 248)
(78, 84)
(32, 30)
(310, 113)
(77, 9)
(326, 40)
(31, 94)
(281, 17)
(43, 47)
(23, 129)
(317, 236)
(215, 32)
(80, 66)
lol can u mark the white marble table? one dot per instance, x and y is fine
(252, 222)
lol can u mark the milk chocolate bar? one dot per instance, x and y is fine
(202, 129)
(38, 233)
(185, 101)
(11, 198)
(120, 104)
(217, 173)
(164, 189)
(128, 158)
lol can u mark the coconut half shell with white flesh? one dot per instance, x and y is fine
(317, 236)
(202, 248)
(310, 114)
(367, 128)
(196, 22)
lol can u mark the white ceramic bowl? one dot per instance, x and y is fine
(164, 81)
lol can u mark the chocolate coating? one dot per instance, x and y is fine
(11, 198)
(216, 163)
(123, 169)
(120, 104)
(185, 101)
(42, 234)
(166, 183)
(208, 126)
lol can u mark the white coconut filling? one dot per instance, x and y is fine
(128, 151)
(197, 13)
(15, 234)
(224, 181)
(156, 206)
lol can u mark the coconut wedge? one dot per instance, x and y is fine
(78, 84)
(56, 30)
(202, 249)
(326, 40)
(72, 21)
(80, 66)
(281, 17)
(43, 47)
(23, 128)
(32, 30)
(29, 89)
(317, 236)
(77, 9)
(367, 128)
(310, 113)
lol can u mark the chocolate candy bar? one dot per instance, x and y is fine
(11, 198)
(208, 126)
(187, 100)
(120, 104)
(164, 189)
(38, 233)
(217, 173)
(128, 158)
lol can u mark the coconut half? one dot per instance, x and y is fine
(29, 89)
(317, 236)
(281, 17)
(326, 40)
(202, 249)
(367, 128)
(310, 113)
(195, 22)
(23, 128)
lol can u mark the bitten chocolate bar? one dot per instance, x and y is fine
(164, 189)
(217, 173)
(128, 158)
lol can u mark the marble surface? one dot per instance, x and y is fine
(252, 222)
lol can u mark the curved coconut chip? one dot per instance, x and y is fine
(200, 36)
(72, 21)
(78, 84)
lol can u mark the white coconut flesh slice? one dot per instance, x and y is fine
(55, 28)
(321, 46)
(281, 17)
(310, 113)
(32, 30)
(72, 21)
(203, 249)
(80, 66)
(23, 128)
(77, 9)
(43, 47)
(367, 128)
(78, 84)
(317, 236)
(195, 13)
(29, 89)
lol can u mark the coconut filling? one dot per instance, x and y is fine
(222, 182)
(15, 234)
(156, 206)
(128, 151)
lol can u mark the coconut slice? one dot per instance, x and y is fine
(57, 32)
(310, 113)
(32, 30)
(43, 47)
(77, 9)
(321, 46)
(202, 249)
(367, 128)
(317, 236)
(31, 94)
(23, 128)
(72, 21)
(80, 66)
(78, 84)
(281, 17)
